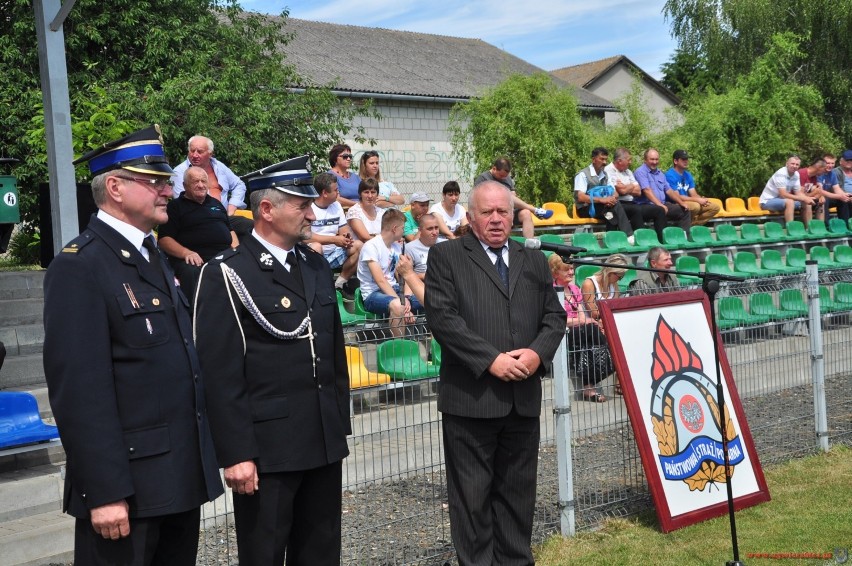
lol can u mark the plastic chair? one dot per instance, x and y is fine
(20, 422)
(359, 375)
(827, 304)
(843, 294)
(347, 318)
(796, 231)
(359, 307)
(560, 214)
(435, 352)
(245, 213)
(754, 207)
(585, 240)
(688, 263)
(822, 255)
(624, 282)
(584, 271)
(837, 227)
(731, 308)
(401, 359)
(817, 229)
(764, 305)
(545, 222)
(791, 300)
(750, 233)
(843, 255)
(675, 239)
(722, 212)
(702, 237)
(616, 241)
(796, 258)
(646, 238)
(737, 206)
(727, 235)
(771, 259)
(718, 263)
(775, 232)
(746, 262)
(580, 220)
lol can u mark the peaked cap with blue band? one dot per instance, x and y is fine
(141, 151)
(292, 177)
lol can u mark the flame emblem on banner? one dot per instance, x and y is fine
(690, 448)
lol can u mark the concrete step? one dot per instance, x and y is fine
(46, 538)
(22, 339)
(21, 284)
(16, 312)
(22, 370)
(28, 492)
(30, 456)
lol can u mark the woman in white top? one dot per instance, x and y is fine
(364, 217)
(449, 213)
(369, 167)
(603, 284)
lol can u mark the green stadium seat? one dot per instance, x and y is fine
(775, 232)
(817, 229)
(843, 294)
(822, 255)
(791, 300)
(624, 282)
(586, 240)
(727, 235)
(796, 258)
(691, 264)
(582, 272)
(837, 227)
(702, 237)
(731, 308)
(646, 238)
(359, 307)
(347, 318)
(843, 255)
(674, 238)
(520, 239)
(401, 360)
(435, 352)
(615, 241)
(746, 263)
(718, 263)
(771, 259)
(827, 304)
(750, 233)
(796, 231)
(764, 305)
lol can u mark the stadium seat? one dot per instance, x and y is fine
(837, 227)
(827, 304)
(843, 294)
(616, 241)
(560, 214)
(754, 207)
(347, 318)
(727, 235)
(762, 304)
(722, 212)
(586, 240)
(702, 237)
(674, 238)
(245, 213)
(796, 258)
(359, 307)
(775, 232)
(435, 352)
(746, 263)
(822, 255)
(731, 308)
(401, 359)
(624, 282)
(691, 264)
(646, 238)
(791, 300)
(771, 259)
(359, 375)
(20, 422)
(817, 229)
(843, 255)
(718, 263)
(582, 220)
(796, 231)
(582, 272)
(737, 206)
(750, 233)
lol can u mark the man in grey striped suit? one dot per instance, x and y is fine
(491, 305)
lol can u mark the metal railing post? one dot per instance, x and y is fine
(817, 357)
(562, 413)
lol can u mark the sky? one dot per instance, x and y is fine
(550, 34)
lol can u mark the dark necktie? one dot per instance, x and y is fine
(294, 269)
(502, 268)
(153, 255)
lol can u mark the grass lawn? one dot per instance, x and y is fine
(810, 512)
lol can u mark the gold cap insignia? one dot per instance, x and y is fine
(155, 301)
(285, 302)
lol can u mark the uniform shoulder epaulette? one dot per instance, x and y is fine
(306, 248)
(226, 255)
(78, 243)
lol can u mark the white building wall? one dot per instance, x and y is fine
(618, 81)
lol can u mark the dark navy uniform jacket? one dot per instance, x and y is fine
(124, 381)
(264, 402)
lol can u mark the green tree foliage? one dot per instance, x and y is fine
(728, 36)
(635, 129)
(740, 137)
(532, 122)
(686, 75)
(193, 66)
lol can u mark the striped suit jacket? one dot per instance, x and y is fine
(474, 319)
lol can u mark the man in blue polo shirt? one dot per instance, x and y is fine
(700, 209)
(657, 192)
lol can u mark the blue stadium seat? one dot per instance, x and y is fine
(20, 422)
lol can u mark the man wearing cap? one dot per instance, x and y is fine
(123, 376)
(700, 209)
(656, 191)
(419, 206)
(331, 235)
(500, 171)
(271, 343)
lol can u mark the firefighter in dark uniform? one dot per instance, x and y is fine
(123, 376)
(271, 344)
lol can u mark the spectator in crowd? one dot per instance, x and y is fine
(604, 284)
(836, 197)
(605, 207)
(657, 192)
(450, 214)
(843, 175)
(405, 270)
(279, 386)
(418, 250)
(500, 171)
(809, 179)
(379, 288)
(700, 209)
(622, 178)
(492, 308)
(223, 184)
(123, 375)
(419, 205)
(649, 282)
(588, 353)
(369, 168)
(340, 159)
(783, 192)
(330, 234)
(364, 217)
(197, 230)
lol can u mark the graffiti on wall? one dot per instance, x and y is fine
(415, 165)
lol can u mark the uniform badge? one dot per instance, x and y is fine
(125, 253)
(265, 258)
(72, 249)
(155, 301)
(285, 302)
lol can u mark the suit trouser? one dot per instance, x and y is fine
(614, 217)
(297, 512)
(170, 540)
(491, 478)
(638, 214)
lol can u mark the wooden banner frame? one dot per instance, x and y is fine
(662, 349)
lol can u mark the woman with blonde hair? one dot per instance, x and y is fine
(369, 168)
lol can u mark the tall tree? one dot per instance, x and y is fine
(193, 66)
(532, 122)
(730, 35)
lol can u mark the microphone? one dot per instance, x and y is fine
(561, 249)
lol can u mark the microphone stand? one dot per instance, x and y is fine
(710, 285)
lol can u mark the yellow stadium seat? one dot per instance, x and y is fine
(737, 206)
(245, 213)
(359, 375)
